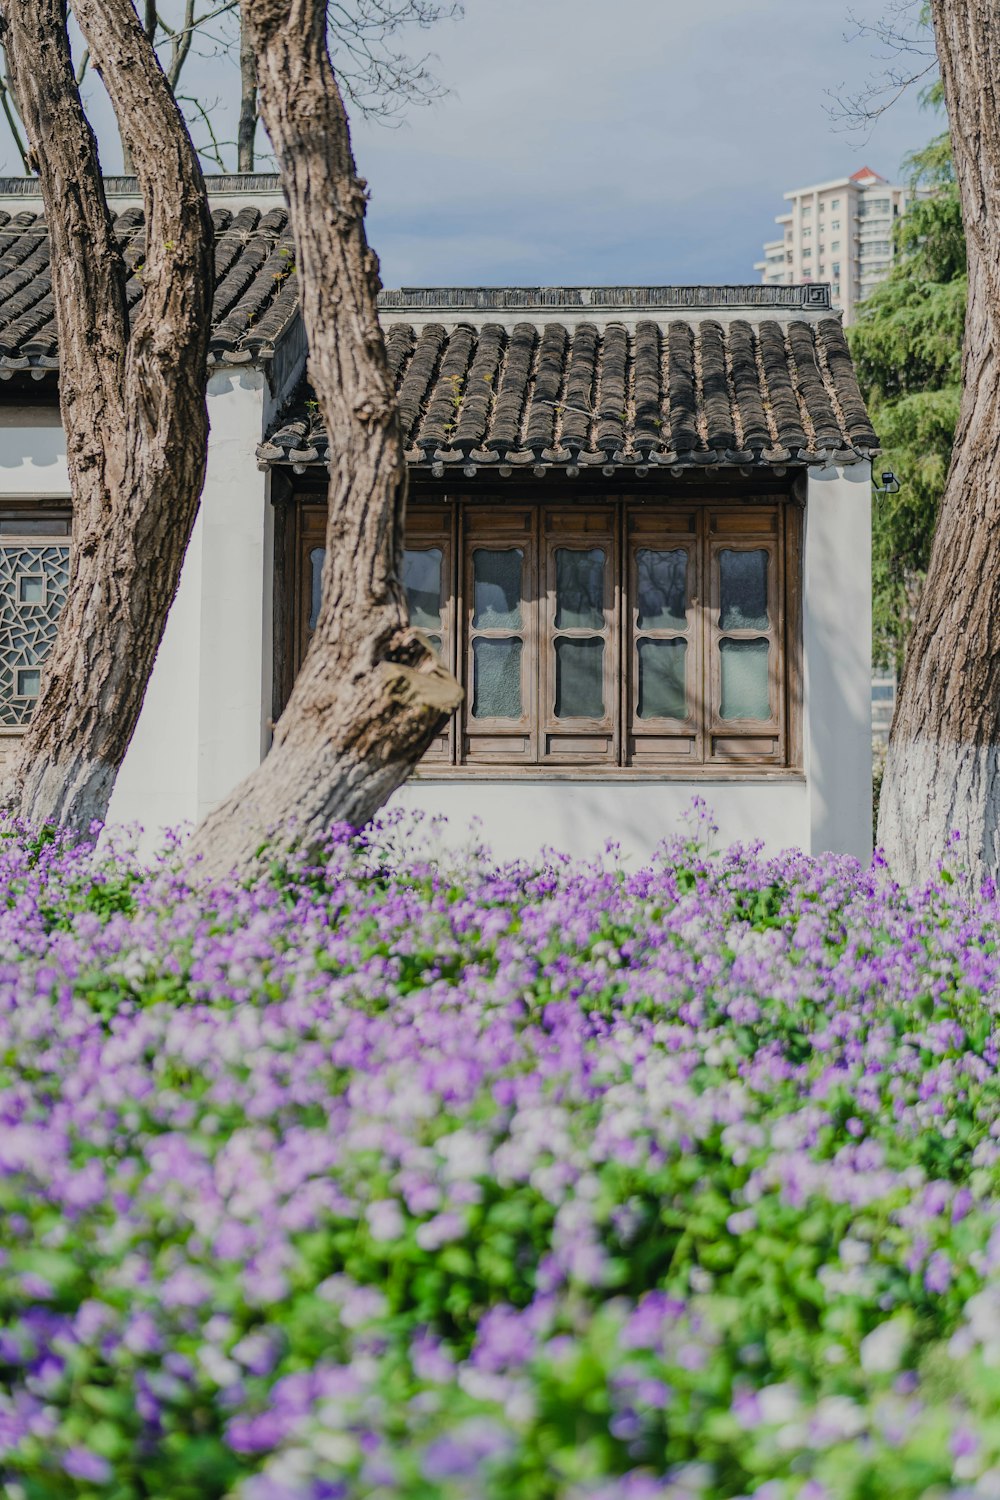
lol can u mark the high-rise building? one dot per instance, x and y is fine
(840, 232)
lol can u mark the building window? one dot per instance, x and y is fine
(835, 204)
(34, 575)
(834, 223)
(616, 636)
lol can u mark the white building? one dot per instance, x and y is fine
(838, 232)
(638, 531)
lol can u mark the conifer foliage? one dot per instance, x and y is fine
(907, 345)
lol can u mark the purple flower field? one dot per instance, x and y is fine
(509, 1183)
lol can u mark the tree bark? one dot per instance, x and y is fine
(246, 133)
(371, 694)
(133, 400)
(941, 774)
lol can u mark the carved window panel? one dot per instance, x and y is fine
(34, 576)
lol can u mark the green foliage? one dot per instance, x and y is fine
(907, 346)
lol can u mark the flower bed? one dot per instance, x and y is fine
(522, 1182)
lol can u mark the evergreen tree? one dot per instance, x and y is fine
(907, 345)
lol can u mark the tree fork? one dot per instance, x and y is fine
(371, 694)
(942, 771)
(132, 400)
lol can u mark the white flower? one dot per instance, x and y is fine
(778, 1403)
(385, 1219)
(883, 1349)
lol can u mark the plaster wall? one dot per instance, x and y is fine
(203, 723)
(518, 819)
(33, 454)
(837, 650)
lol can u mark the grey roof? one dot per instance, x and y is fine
(618, 377)
(256, 297)
(503, 376)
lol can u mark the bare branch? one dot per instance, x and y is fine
(13, 120)
(214, 149)
(181, 46)
(902, 32)
(198, 21)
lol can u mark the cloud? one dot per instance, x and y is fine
(606, 140)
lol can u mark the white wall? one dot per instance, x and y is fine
(519, 818)
(33, 453)
(203, 723)
(837, 638)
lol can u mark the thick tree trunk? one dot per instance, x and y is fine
(371, 694)
(942, 768)
(246, 133)
(133, 401)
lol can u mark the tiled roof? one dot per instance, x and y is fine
(255, 293)
(628, 383)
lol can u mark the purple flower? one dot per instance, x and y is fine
(81, 1463)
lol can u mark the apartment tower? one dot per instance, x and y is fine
(840, 232)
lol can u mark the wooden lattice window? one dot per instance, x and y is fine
(34, 576)
(658, 637)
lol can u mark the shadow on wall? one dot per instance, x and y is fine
(32, 438)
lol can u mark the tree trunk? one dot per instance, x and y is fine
(133, 400)
(941, 774)
(371, 694)
(246, 133)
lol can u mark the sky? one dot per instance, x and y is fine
(610, 141)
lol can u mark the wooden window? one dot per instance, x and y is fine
(579, 634)
(636, 636)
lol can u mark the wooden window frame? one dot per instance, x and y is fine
(572, 740)
(619, 745)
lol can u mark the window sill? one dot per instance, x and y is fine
(612, 776)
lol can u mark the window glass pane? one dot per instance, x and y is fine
(745, 680)
(29, 680)
(422, 583)
(497, 583)
(316, 557)
(743, 590)
(579, 678)
(52, 526)
(662, 668)
(31, 589)
(496, 674)
(579, 589)
(662, 589)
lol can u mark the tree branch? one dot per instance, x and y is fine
(903, 30)
(13, 122)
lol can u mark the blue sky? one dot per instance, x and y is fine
(585, 141)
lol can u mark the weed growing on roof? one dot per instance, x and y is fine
(385, 1178)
